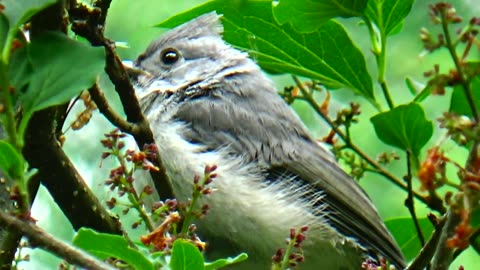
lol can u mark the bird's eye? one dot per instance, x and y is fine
(169, 56)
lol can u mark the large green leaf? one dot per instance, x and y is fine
(403, 230)
(404, 127)
(327, 55)
(104, 245)
(19, 70)
(186, 256)
(388, 15)
(309, 15)
(61, 68)
(11, 162)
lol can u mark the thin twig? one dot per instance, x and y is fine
(409, 202)
(433, 204)
(40, 238)
(99, 98)
(458, 65)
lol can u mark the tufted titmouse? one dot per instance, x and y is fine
(208, 103)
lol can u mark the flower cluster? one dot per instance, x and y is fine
(181, 214)
(121, 178)
(293, 254)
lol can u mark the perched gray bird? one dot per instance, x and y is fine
(208, 103)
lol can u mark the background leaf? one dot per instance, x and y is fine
(104, 245)
(327, 55)
(19, 11)
(388, 15)
(403, 230)
(459, 103)
(225, 262)
(186, 256)
(308, 15)
(11, 162)
(404, 127)
(3, 29)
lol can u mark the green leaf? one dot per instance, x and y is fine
(404, 127)
(186, 256)
(403, 230)
(61, 68)
(19, 70)
(11, 162)
(225, 262)
(459, 103)
(104, 245)
(309, 15)
(475, 218)
(388, 15)
(327, 55)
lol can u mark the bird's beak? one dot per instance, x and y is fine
(145, 82)
(134, 72)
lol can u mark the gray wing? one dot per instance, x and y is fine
(261, 126)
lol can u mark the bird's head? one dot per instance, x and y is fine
(193, 54)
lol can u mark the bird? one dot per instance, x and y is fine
(209, 103)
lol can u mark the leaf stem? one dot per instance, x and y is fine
(13, 137)
(6, 101)
(379, 49)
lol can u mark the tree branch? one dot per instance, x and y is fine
(443, 253)
(424, 257)
(43, 151)
(40, 238)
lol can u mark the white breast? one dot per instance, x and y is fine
(252, 215)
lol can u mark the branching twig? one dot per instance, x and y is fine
(90, 25)
(458, 65)
(434, 204)
(40, 238)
